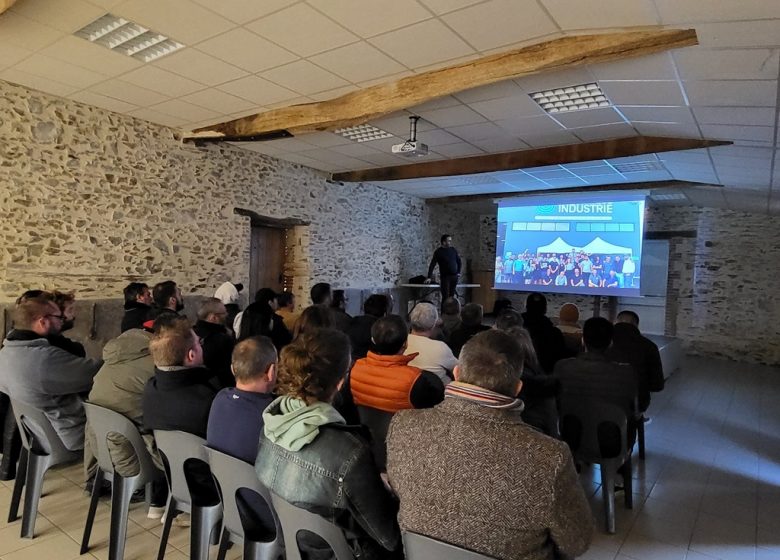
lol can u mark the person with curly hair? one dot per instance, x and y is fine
(311, 458)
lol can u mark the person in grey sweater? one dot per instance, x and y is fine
(44, 376)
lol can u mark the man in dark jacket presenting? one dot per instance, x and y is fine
(448, 261)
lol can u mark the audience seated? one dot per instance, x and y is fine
(471, 324)
(321, 294)
(548, 340)
(428, 354)
(630, 347)
(385, 378)
(138, 304)
(592, 375)
(568, 324)
(230, 294)
(235, 421)
(450, 317)
(501, 305)
(167, 300)
(260, 318)
(286, 303)
(216, 341)
(306, 440)
(42, 375)
(491, 483)
(338, 307)
(313, 317)
(359, 331)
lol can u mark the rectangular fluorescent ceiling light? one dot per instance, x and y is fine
(671, 196)
(638, 166)
(128, 38)
(362, 133)
(571, 98)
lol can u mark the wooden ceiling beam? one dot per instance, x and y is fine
(522, 159)
(360, 106)
(6, 5)
(652, 185)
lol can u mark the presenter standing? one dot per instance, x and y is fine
(447, 259)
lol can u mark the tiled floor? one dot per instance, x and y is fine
(709, 488)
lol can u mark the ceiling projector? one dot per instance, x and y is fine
(411, 149)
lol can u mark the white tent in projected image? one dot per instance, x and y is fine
(558, 246)
(600, 247)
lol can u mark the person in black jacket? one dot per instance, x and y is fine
(260, 318)
(216, 341)
(548, 340)
(359, 331)
(167, 300)
(447, 259)
(138, 303)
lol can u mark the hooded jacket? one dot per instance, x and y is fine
(135, 315)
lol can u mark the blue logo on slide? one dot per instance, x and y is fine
(546, 210)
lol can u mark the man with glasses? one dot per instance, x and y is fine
(39, 374)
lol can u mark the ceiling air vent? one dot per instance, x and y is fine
(362, 133)
(571, 98)
(128, 38)
(638, 166)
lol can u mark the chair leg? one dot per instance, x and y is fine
(204, 520)
(628, 484)
(224, 543)
(170, 513)
(93, 502)
(640, 432)
(37, 465)
(121, 493)
(608, 492)
(16, 498)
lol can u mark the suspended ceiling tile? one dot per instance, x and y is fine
(181, 20)
(303, 160)
(604, 132)
(355, 149)
(461, 149)
(302, 30)
(653, 67)
(643, 93)
(742, 152)
(26, 33)
(544, 140)
(658, 114)
(258, 90)
(674, 11)
(303, 77)
(67, 16)
(755, 93)
(591, 171)
(552, 80)
(437, 103)
(589, 117)
(60, 71)
(398, 124)
(452, 116)
(130, 93)
(440, 7)
(368, 18)
(246, 50)
(200, 67)
(727, 64)
(244, 11)
(739, 34)
(333, 93)
(748, 116)
(559, 173)
(358, 62)
(147, 114)
(186, 111)
(89, 55)
(438, 137)
(531, 126)
(97, 100)
(681, 130)
(326, 139)
(10, 55)
(753, 133)
(606, 13)
(500, 22)
(503, 143)
(508, 107)
(47, 85)
(478, 131)
(499, 90)
(162, 81)
(219, 101)
(427, 42)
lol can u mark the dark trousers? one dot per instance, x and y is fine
(448, 284)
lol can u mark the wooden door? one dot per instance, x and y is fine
(266, 259)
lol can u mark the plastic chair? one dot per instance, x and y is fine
(103, 422)
(232, 475)
(294, 520)
(640, 435)
(178, 449)
(586, 427)
(42, 449)
(420, 547)
(377, 421)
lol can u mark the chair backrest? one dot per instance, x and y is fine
(37, 434)
(232, 475)
(177, 448)
(377, 421)
(295, 520)
(104, 421)
(420, 547)
(590, 426)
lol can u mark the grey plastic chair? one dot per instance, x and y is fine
(233, 475)
(42, 449)
(294, 520)
(587, 442)
(103, 422)
(420, 547)
(378, 422)
(178, 448)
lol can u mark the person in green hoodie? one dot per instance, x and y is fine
(311, 458)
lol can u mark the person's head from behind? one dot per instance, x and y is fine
(321, 294)
(569, 314)
(389, 335)
(376, 305)
(30, 294)
(39, 315)
(286, 300)
(509, 319)
(450, 307)
(312, 367)
(313, 317)
(523, 338)
(339, 300)
(597, 334)
(472, 314)
(137, 292)
(266, 297)
(174, 343)
(536, 304)
(167, 295)
(500, 305)
(254, 365)
(423, 318)
(66, 302)
(446, 240)
(628, 317)
(492, 360)
(212, 310)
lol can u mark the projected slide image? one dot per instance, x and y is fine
(576, 245)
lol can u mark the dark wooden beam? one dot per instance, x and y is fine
(508, 161)
(360, 106)
(651, 185)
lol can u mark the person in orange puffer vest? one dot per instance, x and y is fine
(384, 380)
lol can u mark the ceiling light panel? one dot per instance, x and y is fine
(363, 133)
(639, 166)
(571, 98)
(129, 38)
